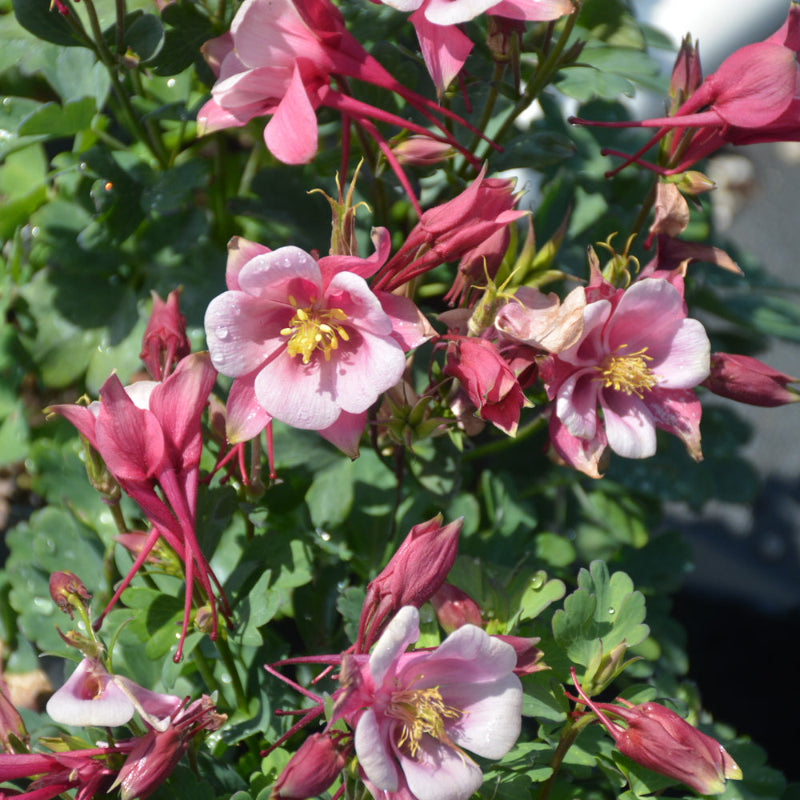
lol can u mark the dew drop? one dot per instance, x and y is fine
(225, 677)
(171, 82)
(43, 605)
(6, 101)
(221, 333)
(612, 611)
(324, 535)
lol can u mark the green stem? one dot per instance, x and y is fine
(230, 665)
(120, 8)
(205, 670)
(568, 736)
(155, 146)
(501, 445)
(541, 78)
(486, 116)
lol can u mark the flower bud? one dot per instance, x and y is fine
(422, 151)
(661, 740)
(68, 591)
(455, 608)
(12, 728)
(164, 339)
(748, 380)
(311, 770)
(412, 576)
(687, 74)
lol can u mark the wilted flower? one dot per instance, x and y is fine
(308, 342)
(66, 589)
(425, 708)
(661, 740)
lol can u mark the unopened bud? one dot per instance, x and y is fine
(455, 608)
(748, 380)
(164, 341)
(311, 770)
(661, 740)
(68, 591)
(422, 151)
(687, 74)
(529, 657)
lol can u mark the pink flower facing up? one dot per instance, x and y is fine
(425, 708)
(444, 47)
(308, 342)
(281, 59)
(637, 360)
(753, 97)
(661, 740)
(149, 436)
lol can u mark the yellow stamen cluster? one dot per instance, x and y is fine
(313, 328)
(421, 711)
(628, 373)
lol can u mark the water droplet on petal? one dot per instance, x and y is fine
(221, 333)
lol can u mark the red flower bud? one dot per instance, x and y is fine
(164, 339)
(412, 576)
(661, 740)
(455, 608)
(528, 655)
(422, 151)
(311, 770)
(750, 381)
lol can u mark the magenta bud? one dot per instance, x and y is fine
(748, 380)
(67, 590)
(311, 770)
(412, 576)
(687, 74)
(422, 151)
(164, 340)
(661, 740)
(455, 608)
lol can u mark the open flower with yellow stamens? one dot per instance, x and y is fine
(637, 360)
(308, 342)
(427, 707)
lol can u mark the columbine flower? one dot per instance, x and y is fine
(426, 708)
(661, 740)
(150, 438)
(93, 696)
(748, 380)
(308, 342)
(637, 360)
(444, 47)
(280, 59)
(753, 97)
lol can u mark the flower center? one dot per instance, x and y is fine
(420, 711)
(628, 373)
(313, 328)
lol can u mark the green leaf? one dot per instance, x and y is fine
(44, 23)
(188, 30)
(539, 594)
(145, 37)
(603, 612)
(14, 436)
(53, 121)
(330, 496)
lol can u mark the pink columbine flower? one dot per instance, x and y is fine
(754, 96)
(444, 47)
(637, 361)
(149, 436)
(426, 708)
(308, 342)
(93, 696)
(449, 231)
(281, 59)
